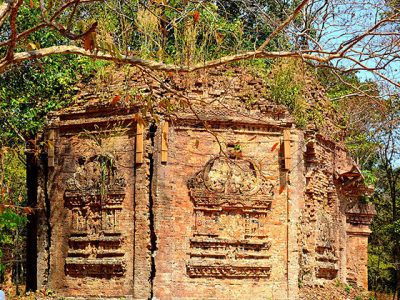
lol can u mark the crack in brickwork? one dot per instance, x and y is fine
(47, 212)
(32, 230)
(153, 236)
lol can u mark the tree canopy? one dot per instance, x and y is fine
(188, 35)
(48, 46)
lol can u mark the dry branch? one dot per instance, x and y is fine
(356, 47)
(151, 64)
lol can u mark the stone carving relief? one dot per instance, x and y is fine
(231, 202)
(326, 256)
(359, 213)
(94, 196)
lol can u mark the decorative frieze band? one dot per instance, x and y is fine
(228, 271)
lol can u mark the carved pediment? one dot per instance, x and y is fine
(94, 181)
(230, 183)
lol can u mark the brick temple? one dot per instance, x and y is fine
(220, 197)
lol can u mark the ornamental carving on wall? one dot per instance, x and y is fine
(231, 201)
(94, 195)
(225, 182)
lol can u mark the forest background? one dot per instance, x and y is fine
(49, 48)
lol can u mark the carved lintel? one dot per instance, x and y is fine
(228, 271)
(99, 253)
(85, 240)
(86, 267)
(218, 243)
(77, 198)
(217, 201)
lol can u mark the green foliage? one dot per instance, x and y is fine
(28, 92)
(200, 34)
(12, 175)
(289, 83)
(347, 289)
(183, 32)
(385, 237)
(286, 87)
(337, 87)
(12, 224)
(362, 147)
(32, 89)
(369, 177)
(12, 196)
(381, 272)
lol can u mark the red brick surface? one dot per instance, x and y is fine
(221, 219)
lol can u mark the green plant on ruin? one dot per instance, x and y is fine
(290, 83)
(204, 35)
(148, 26)
(237, 147)
(286, 88)
(347, 289)
(338, 283)
(104, 156)
(300, 283)
(250, 100)
(185, 32)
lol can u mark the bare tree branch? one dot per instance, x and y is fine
(132, 60)
(5, 10)
(13, 29)
(282, 26)
(322, 35)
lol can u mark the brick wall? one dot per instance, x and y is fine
(211, 242)
(241, 205)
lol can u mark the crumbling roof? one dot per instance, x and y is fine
(225, 93)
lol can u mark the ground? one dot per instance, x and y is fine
(334, 291)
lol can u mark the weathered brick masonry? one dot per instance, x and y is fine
(224, 198)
